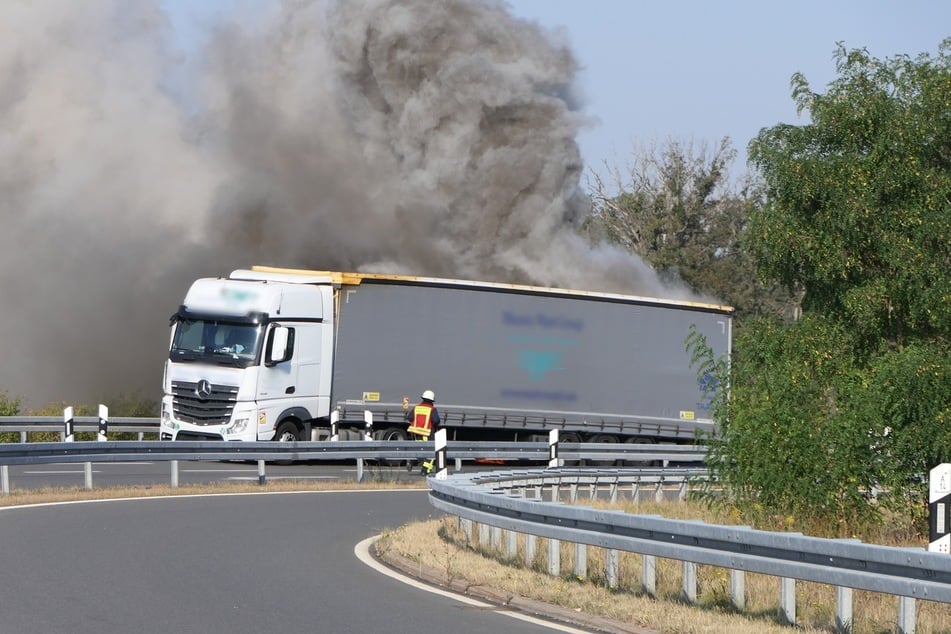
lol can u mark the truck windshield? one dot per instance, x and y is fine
(212, 341)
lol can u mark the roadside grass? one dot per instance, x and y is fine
(440, 545)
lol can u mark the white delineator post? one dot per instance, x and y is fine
(939, 509)
(334, 419)
(68, 435)
(441, 470)
(103, 423)
(553, 460)
(367, 425)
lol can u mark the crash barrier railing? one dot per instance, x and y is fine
(362, 451)
(529, 502)
(56, 424)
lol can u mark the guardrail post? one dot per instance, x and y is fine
(334, 432)
(531, 547)
(5, 479)
(906, 615)
(68, 425)
(367, 425)
(87, 473)
(787, 599)
(690, 582)
(359, 469)
(554, 557)
(649, 574)
(843, 609)
(581, 561)
(553, 460)
(612, 564)
(103, 423)
(511, 545)
(174, 467)
(738, 589)
(262, 477)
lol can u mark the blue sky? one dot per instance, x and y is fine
(698, 69)
(704, 70)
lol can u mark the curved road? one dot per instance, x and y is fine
(230, 563)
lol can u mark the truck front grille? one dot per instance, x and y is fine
(213, 410)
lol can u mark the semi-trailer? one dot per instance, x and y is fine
(284, 354)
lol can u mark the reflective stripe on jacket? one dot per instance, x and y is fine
(422, 424)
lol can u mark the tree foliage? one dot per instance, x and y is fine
(679, 210)
(9, 405)
(856, 396)
(859, 201)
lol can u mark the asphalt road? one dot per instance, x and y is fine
(230, 564)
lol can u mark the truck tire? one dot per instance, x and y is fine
(638, 440)
(287, 431)
(604, 438)
(390, 433)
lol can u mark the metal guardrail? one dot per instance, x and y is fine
(25, 424)
(112, 451)
(381, 451)
(498, 500)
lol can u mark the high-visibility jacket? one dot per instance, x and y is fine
(424, 416)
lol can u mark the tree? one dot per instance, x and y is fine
(679, 211)
(859, 211)
(856, 396)
(9, 405)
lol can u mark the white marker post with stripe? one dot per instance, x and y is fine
(367, 425)
(103, 423)
(334, 419)
(553, 460)
(441, 470)
(68, 427)
(939, 509)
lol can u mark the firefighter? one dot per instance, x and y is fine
(423, 420)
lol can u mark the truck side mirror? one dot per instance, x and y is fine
(278, 347)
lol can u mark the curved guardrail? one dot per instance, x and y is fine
(499, 500)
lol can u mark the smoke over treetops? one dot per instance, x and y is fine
(429, 138)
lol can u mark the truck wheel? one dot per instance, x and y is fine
(390, 433)
(642, 463)
(605, 438)
(570, 436)
(287, 432)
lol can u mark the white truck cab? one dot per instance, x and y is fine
(247, 358)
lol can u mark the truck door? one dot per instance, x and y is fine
(278, 380)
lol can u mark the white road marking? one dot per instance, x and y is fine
(362, 551)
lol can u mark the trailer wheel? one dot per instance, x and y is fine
(573, 437)
(287, 431)
(390, 433)
(605, 438)
(645, 440)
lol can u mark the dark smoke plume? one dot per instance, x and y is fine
(418, 137)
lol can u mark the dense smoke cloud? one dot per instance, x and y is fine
(391, 136)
